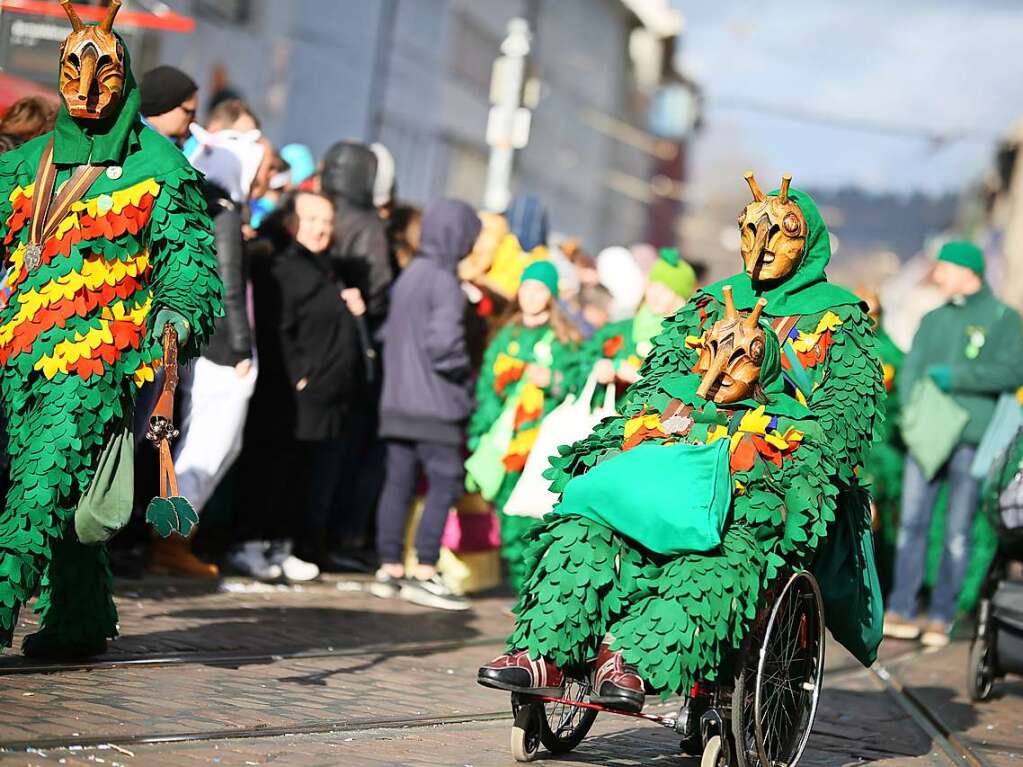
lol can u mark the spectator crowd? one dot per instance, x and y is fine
(382, 373)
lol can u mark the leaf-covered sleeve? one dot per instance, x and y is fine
(9, 164)
(848, 402)
(488, 402)
(567, 373)
(182, 254)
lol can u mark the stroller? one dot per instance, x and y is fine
(997, 647)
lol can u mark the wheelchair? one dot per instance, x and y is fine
(760, 717)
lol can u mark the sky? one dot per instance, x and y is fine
(945, 67)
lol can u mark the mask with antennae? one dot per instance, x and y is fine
(773, 231)
(732, 355)
(91, 66)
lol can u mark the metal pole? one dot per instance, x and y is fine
(506, 96)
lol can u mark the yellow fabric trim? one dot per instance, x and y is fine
(95, 272)
(70, 351)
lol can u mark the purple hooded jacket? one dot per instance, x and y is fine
(427, 394)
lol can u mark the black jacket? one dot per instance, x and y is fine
(231, 341)
(427, 394)
(360, 254)
(303, 330)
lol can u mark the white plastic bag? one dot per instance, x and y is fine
(570, 421)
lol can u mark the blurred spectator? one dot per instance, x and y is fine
(617, 351)
(169, 101)
(525, 243)
(360, 253)
(384, 182)
(426, 401)
(361, 259)
(231, 114)
(887, 456)
(529, 367)
(972, 349)
(215, 389)
(310, 365)
(619, 273)
(301, 165)
(595, 307)
(25, 119)
(403, 234)
(278, 182)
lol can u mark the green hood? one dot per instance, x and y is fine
(771, 380)
(806, 290)
(100, 142)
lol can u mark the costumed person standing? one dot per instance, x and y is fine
(108, 237)
(971, 348)
(617, 593)
(617, 350)
(529, 367)
(883, 467)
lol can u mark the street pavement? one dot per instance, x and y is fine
(327, 674)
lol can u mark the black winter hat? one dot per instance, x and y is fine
(165, 88)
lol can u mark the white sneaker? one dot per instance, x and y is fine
(293, 569)
(385, 585)
(250, 559)
(935, 635)
(298, 570)
(432, 593)
(897, 627)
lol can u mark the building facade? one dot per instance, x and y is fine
(415, 75)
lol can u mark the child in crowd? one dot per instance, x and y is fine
(426, 400)
(528, 369)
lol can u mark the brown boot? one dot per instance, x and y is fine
(173, 556)
(616, 685)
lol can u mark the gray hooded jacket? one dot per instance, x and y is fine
(427, 394)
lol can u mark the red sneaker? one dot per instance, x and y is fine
(616, 685)
(516, 672)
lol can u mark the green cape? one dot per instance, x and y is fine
(807, 290)
(100, 142)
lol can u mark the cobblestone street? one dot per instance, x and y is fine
(329, 674)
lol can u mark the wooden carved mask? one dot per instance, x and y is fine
(732, 355)
(773, 233)
(91, 66)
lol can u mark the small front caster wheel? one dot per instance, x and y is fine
(714, 754)
(525, 734)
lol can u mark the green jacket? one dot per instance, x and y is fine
(980, 340)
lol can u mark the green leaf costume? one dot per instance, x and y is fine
(75, 345)
(501, 385)
(794, 463)
(883, 467)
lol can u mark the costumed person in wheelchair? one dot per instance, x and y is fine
(733, 463)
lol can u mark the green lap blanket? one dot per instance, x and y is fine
(670, 499)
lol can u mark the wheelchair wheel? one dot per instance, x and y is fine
(981, 672)
(563, 726)
(778, 683)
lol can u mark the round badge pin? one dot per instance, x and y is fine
(114, 172)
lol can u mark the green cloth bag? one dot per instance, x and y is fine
(106, 506)
(670, 499)
(931, 425)
(484, 469)
(846, 571)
